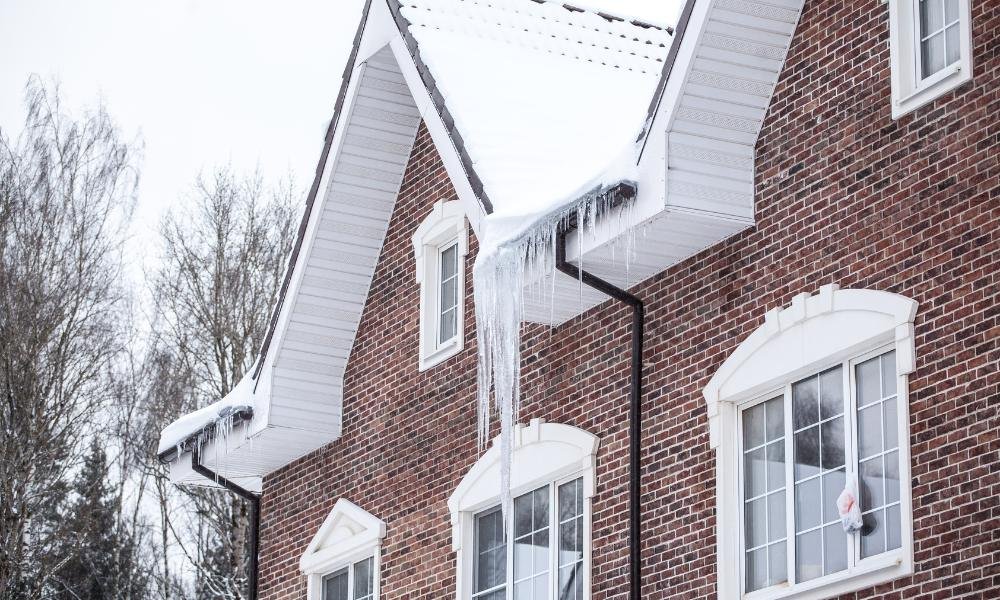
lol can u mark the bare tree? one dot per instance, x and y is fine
(67, 187)
(223, 258)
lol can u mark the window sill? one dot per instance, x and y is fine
(443, 353)
(873, 571)
(930, 89)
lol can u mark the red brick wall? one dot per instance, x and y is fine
(844, 195)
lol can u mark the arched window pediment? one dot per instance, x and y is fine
(813, 330)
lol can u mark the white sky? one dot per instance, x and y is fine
(203, 83)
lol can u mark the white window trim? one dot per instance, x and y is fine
(786, 348)
(543, 454)
(348, 535)
(910, 90)
(444, 226)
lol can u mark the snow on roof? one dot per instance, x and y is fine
(239, 399)
(546, 98)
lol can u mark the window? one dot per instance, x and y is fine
(536, 552)
(930, 43)
(811, 404)
(439, 246)
(351, 583)
(835, 431)
(545, 555)
(342, 560)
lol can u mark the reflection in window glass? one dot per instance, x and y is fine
(364, 586)
(764, 494)
(335, 586)
(571, 538)
(819, 473)
(448, 315)
(531, 545)
(491, 556)
(940, 39)
(878, 454)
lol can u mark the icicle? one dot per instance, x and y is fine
(499, 277)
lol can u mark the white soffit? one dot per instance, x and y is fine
(696, 185)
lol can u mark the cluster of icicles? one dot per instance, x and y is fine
(500, 278)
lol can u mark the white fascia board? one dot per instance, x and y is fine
(439, 133)
(378, 29)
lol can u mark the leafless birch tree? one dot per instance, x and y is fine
(67, 187)
(224, 253)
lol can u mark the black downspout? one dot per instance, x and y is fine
(247, 495)
(634, 408)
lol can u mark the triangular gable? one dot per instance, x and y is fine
(346, 531)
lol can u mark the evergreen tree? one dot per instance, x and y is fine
(101, 562)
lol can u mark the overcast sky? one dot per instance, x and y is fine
(202, 83)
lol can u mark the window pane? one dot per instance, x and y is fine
(831, 393)
(950, 11)
(775, 409)
(894, 532)
(807, 453)
(753, 427)
(872, 534)
(932, 55)
(891, 421)
(891, 474)
(805, 408)
(809, 555)
(808, 501)
(869, 376)
(449, 326)
(834, 549)
(776, 465)
(777, 564)
(754, 473)
(363, 585)
(931, 17)
(756, 569)
(952, 44)
(756, 523)
(869, 431)
(889, 374)
(833, 483)
(872, 486)
(491, 560)
(335, 586)
(571, 582)
(776, 516)
(570, 500)
(531, 546)
(449, 262)
(832, 443)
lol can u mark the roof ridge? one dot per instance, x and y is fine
(608, 16)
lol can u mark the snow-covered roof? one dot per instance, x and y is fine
(545, 98)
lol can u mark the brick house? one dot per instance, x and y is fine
(813, 221)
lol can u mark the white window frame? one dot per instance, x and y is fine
(544, 454)
(348, 535)
(443, 228)
(815, 333)
(910, 90)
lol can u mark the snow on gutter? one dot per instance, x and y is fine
(215, 421)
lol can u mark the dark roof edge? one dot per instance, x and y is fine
(313, 190)
(668, 66)
(403, 25)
